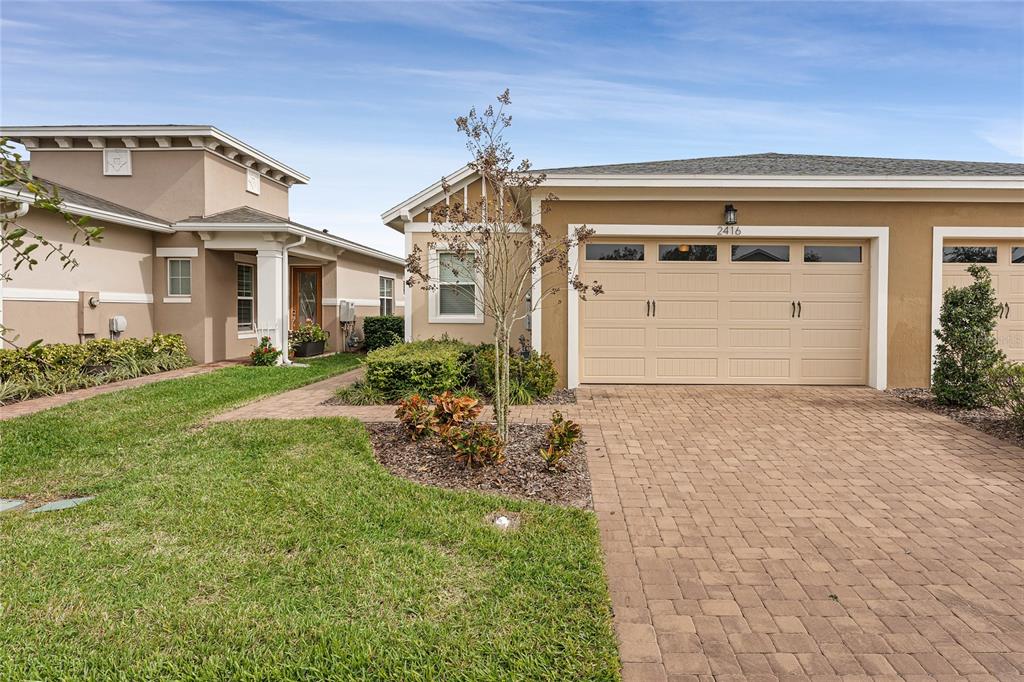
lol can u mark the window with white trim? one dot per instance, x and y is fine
(456, 285)
(179, 277)
(387, 295)
(245, 290)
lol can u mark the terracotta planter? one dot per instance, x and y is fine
(309, 349)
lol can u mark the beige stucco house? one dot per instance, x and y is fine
(764, 268)
(197, 241)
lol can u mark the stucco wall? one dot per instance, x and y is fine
(910, 256)
(188, 319)
(225, 189)
(119, 264)
(166, 184)
(424, 329)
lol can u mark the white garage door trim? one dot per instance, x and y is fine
(879, 277)
(939, 237)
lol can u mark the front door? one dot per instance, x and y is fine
(305, 289)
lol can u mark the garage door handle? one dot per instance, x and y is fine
(792, 313)
(1007, 314)
(648, 307)
(799, 309)
(654, 308)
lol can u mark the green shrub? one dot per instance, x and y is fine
(425, 367)
(382, 331)
(530, 377)
(1006, 383)
(475, 444)
(358, 393)
(61, 367)
(562, 435)
(967, 350)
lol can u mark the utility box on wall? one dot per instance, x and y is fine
(88, 315)
(346, 311)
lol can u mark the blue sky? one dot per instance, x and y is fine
(361, 96)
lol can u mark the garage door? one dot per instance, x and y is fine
(1005, 260)
(725, 311)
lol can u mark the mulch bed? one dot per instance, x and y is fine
(990, 420)
(524, 475)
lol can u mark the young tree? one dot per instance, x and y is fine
(23, 243)
(967, 350)
(495, 247)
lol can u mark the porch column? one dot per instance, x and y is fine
(270, 309)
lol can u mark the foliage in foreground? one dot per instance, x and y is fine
(967, 349)
(532, 375)
(265, 354)
(562, 435)
(275, 550)
(60, 367)
(451, 419)
(1006, 386)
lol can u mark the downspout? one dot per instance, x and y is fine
(7, 219)
(286, 282)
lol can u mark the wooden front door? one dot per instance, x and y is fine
(306, 295)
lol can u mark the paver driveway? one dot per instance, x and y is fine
(784, 532)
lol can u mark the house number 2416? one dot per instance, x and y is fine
(731, 230)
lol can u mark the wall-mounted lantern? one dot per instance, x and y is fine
(730, 214)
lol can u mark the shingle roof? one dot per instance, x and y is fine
(77, 197)
(240, 214)
(772, 164)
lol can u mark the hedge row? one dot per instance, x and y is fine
(383, 331)
(59, 367)
(425, 367)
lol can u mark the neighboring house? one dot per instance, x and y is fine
(764, 268)
(197, 241)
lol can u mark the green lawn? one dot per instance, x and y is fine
(274, 550)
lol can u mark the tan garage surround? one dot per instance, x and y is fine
(723, 319)
(732, 322)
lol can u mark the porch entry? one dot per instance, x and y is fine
(306, 295)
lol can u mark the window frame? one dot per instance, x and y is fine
(691, 245)
(859, 261)
(250, 329)
(434, 302)
(170, 278)
(787, 260)
(384, 300)
(994, 261)
(641, 259)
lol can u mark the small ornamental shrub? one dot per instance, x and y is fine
(532, 375)
(48, 369)
(1006, 383)
(307, 332)
(425, 367)
(454, 411)
(562, 435)
(475, 444)
(967, 350)
(264, 354)
(383, 331)
(417, 415)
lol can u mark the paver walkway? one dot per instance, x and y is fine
(34, 405)
(791, 532)
(766, 532)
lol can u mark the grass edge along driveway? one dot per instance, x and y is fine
(275, 550)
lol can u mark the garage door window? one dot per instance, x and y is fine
(832, 254)
(615, 251)
(968, 254)
(1017, 254)
(761, 253)
(687, 252)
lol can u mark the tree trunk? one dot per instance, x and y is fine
(501, 378)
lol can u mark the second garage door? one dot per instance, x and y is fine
(725, 311)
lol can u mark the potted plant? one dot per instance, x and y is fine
(307, 339)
